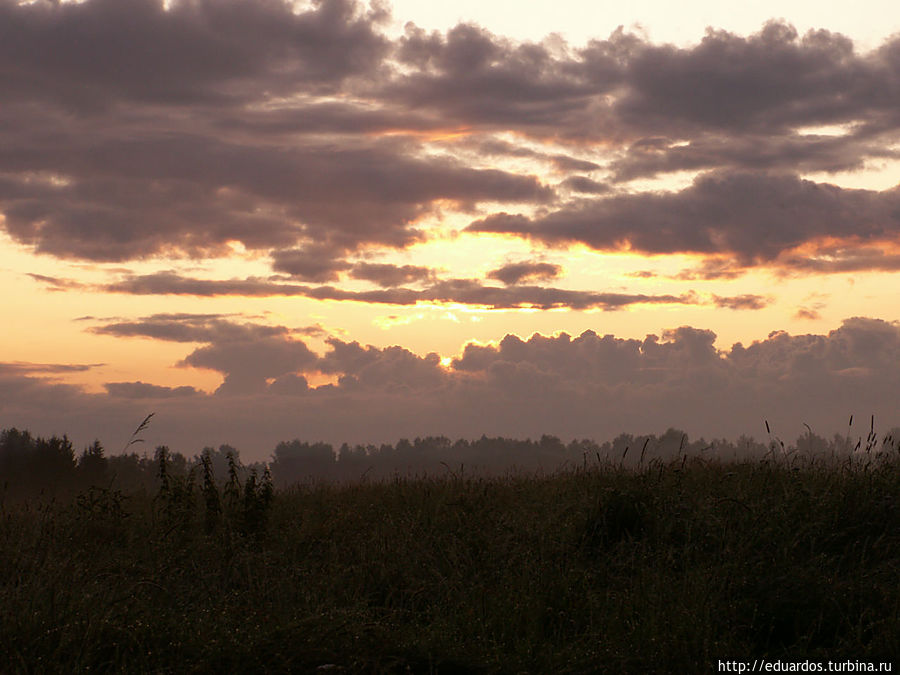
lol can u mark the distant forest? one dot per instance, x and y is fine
(30, 464)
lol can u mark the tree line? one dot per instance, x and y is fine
(31, 464)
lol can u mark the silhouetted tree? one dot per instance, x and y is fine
(296, 461)
(93, 465)
(54, 461)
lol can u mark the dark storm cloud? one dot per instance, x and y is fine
(513, 273)
(753, 216)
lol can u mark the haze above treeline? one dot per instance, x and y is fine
(32, 465)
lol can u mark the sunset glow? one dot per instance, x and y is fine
(267, 221)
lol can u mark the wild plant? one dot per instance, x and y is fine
(257, 499)
(245, 506)
(211, 501)
(101, 503)
(232, 491)
(175, 501)
(134, 438)
(102, 511)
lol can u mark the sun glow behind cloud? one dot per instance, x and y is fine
(415, 192)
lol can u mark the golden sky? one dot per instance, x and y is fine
(359, 222)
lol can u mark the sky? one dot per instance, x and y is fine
(264, 220)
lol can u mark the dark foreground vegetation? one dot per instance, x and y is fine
(666, 565)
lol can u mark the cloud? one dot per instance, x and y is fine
(860, 346)
(392, 368)
(192, 52)
(56, 283)
(457, 291)
(806, 259)
(25, 368)
(248, 364)
(186, 192)
(592, 386)
(585, 185)
(142, 390)
(764, 87)
(304, 133)
(791, 151)
(314, 263)
(495, 147)
(189, 328)
(590, 358)
(248, 355)
(745, 301)
(304, 130)
(222, 122)
(289, 384)
(771, 81)
(807, 313)
(513, 273)
(389, 276)
(476, 77)
(715, 267)
(752, 216)
(837, 259)
(463, 291)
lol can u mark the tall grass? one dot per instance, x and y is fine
(666, 568)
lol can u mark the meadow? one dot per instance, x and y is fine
(666, 565)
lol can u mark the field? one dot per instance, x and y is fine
(670, 566)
